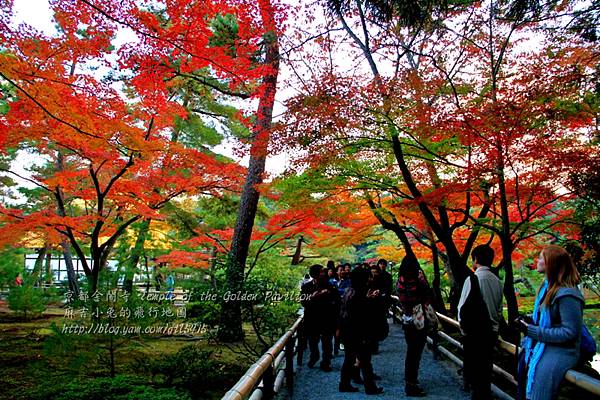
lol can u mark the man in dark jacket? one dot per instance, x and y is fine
(321, 302)
(356, 333)
(479, 314)
(386, 282)
(380, 295)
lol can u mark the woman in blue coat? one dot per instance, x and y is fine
(551, 345)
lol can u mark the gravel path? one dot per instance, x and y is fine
(438, 378)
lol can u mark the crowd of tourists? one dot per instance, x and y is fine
(347, 308)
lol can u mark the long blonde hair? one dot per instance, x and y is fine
(560, 271)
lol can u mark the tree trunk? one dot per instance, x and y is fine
(506, 242)
(71, 275)
(455, 287)
(230, 327)
(48, 269)
(456, 263)
(437, 280)
(148, 276)
(131, 265)
(401, 235)
(39, 263)
(93, 281)
(298, 253)
(509, 282)
(66, 246)
(111, 349)
(455, 260)
(438, 226)
(213, 268)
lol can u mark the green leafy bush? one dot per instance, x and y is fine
(11, 264)
(193, 369)
(205, 312)
(118, 388)
(26, 301)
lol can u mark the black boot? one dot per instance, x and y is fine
(356, 378)
(326, 367)
(347, 388)
(373, 390)
(414, 390)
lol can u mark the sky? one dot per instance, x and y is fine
(37, 13)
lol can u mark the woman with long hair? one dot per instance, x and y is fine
(551, 345)
(415, 294)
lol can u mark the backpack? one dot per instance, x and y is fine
(474, 315)
(588, 345)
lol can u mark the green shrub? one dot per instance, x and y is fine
(26, 301)
(204, 312)
(195, 370)
(150, 393)
(120, 387)
(53, 295)
(11, 264)
(191, 368)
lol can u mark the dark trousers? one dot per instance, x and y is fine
(363, 353)
(415, 343)
(478, 352)
(522, 377)
(326, 339)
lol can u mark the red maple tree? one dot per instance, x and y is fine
(110, 113)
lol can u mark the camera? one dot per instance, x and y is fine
(524, 318)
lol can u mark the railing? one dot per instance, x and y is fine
(265, 377)
(578, 379)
